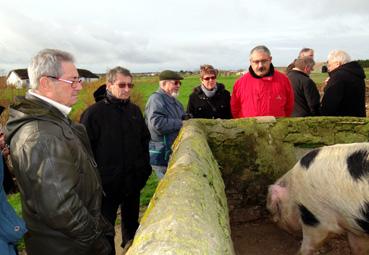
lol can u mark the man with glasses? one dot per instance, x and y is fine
(263, 91)
(164, 115)
(54, 165)
(120, 142)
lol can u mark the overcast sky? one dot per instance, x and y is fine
(152, 35)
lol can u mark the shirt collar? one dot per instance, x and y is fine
(63, 108)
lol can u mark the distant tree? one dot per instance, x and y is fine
(364, 63)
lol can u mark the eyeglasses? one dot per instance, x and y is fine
(209, 78)
(262, 61)
(124, 85)
(177, 83)
(73, 84)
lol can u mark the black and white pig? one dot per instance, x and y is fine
(326, 192)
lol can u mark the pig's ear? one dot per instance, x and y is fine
(277, 194)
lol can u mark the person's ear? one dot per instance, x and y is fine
(44, 84)
(109, 85)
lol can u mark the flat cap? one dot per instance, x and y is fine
(169, 75)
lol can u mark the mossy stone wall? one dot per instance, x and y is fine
(253, 153)
(189, 211)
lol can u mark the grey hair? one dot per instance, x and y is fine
(111, 76)
(47, 62)
(304, 50)
(339, 56)
(260, 48)
(301, 63)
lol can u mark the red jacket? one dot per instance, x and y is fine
(266, 96)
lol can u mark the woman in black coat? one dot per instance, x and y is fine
(210, 100)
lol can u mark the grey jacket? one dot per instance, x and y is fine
(163, 115)
(58, 180)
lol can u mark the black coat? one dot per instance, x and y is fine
(217, 106)
(58, 180)
(345, 92)
(120, 142)
(307, 98)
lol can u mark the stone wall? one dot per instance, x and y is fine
(189, 213)
(253, 153)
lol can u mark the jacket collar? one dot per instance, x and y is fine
(110, 99)
(198, 90)
(270, 73)
(300, 72)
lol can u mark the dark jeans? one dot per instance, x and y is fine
(129, 207)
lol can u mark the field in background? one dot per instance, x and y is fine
(144, 87)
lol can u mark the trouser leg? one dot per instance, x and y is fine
(159, 171)
(130, 209)
(109, 208)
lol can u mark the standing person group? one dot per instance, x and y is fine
(307, 97)
(344, 94)
(120, 143)
(164, 115)
(12, 227)
(263, 91)
(210, 100)
(57, 175)
(62, 185)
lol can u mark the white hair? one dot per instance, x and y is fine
(339, 56)
(47, 62)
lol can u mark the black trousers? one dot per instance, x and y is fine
(129, 206)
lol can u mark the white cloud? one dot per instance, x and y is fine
(145, 35)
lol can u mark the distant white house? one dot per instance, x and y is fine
(19, 77)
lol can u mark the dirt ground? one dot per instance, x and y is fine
(262, 237)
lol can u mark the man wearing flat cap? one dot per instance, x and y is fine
(164, 115)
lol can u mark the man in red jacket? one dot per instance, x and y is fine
(263, 91)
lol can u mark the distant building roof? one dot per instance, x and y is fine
(86, 73)
(22, 73)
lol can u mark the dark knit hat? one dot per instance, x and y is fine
(169, 75)
(100, 93)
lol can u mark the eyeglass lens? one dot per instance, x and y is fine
(123, 85)
(209, 78)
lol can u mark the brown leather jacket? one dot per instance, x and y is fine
(58, 179)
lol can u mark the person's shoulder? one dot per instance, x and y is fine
(242, 79)
(196, 91)
(134, 106)
(96, 107)
(155, 96)
(280, 76)
(222, 89)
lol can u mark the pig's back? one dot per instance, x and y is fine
(333, 182)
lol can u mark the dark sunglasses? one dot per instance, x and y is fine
(210, 78)
(123, 85)
(177, 83)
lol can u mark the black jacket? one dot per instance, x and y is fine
(307, 98)
(345, 92)
(58, 181)
(120, 142)
(217, 106)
